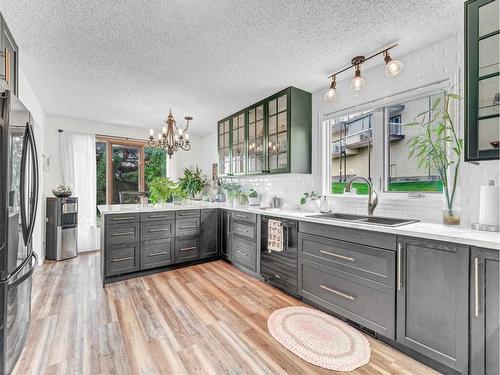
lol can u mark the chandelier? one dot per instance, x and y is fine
(171, 139)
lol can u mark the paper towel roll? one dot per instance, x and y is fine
(489, 205)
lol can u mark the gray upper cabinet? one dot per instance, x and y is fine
(484, 313)
(209, 230)
(9, 65)
(432, 300)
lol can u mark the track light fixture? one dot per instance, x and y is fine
(392, 68)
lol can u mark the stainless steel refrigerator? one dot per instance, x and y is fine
(18, 205)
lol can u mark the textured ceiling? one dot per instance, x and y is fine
(126, 62)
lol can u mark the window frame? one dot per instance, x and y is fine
(380, 142)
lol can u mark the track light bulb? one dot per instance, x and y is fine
(331, 94)
(392, 67)
(357, 82)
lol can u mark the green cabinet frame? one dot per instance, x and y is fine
(298, 135)
(472, 82)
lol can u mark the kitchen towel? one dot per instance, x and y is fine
(274, 235)
(489, 205)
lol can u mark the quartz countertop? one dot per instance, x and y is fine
(433, 231)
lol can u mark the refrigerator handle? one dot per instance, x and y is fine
(35, 182)
(22, 187)
(33, 258)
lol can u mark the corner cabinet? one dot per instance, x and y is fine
(482, 93)
(432, 291)
(484, 321)
(271, 136)
(9, 62)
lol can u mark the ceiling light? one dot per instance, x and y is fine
(392, 67)
(357, 82)
(331, 94)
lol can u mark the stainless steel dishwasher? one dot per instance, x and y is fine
(280, 268)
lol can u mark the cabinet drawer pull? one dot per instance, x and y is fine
(121, 259)
(337, 292)
(398, 270)
(241, 216)
(337, 255)
(190, 227)
(158, 230)
(157, 216)
(188, 248)
(123, 218)
(158, 253)
(476, 287)
(242, 253)
(122, 234)
(277, 276)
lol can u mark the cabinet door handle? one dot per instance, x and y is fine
(187, 248)
(158, 230)
(242, 253)
(122, 234)
(398, 270)
(352, 298)
(476, 287)
(121, 259)
(337, 255)
(158, 253)
(277, 276)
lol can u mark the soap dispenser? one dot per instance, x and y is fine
(323, 207)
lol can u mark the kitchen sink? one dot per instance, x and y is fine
(375, 220)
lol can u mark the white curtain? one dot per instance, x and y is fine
(79, 171)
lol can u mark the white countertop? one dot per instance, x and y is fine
(433, 231)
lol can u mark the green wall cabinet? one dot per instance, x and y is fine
(270, 136)
(482, 85)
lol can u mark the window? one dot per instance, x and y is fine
(373, 143)
(123, 165)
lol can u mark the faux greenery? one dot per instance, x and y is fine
(193, 181)
(163, 189)
(232, 189)
(252, 193)
(437, 145)
(312, 195)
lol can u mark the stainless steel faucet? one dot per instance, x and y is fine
(372, 194)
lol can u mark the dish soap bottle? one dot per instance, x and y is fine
(323, 207)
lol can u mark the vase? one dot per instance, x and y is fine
(451, 210)
(313, 205)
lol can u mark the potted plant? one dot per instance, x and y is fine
(193, 182)
(232, 191)
(311, 201)
(163, 190)
(253, 197)
(438, 146)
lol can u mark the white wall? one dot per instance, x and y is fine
(439, 60)
(29, 99)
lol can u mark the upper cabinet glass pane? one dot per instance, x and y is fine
(282, 103)
(251, 115)
(488, 18)
(489, 96)
(282, 122)
(489, 55)
(235, 123)
(241, 119)
(489, 133)
(260, 112)
(272, 107)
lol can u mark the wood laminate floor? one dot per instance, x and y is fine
(204, 319)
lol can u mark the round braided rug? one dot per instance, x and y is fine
(319, 338)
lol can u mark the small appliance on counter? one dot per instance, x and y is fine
(489, 206)
(61, 229)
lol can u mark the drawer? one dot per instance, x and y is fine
(157, 229)
(244, 216)
(122, 258)
(282, 281)
(244, 229)
(364, 237)
(363, 301)
(187, 227)
(121, 218)
(369, 262)
(244, 253)
(187, 213)
(121, 233)
(153, 216)
(186, 249)
(156, 253)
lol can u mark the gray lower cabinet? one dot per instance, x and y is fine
(186, 248)
(226, 234)
(484, 312)
(209, 233)
(244, 253)
(157, 253)
(122, 258)
(432, 300)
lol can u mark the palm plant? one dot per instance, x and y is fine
(438, 145)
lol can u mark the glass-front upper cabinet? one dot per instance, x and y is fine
(256, 140)
(482, 89)
(238, 144)
(224, 141)
(277, 142)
